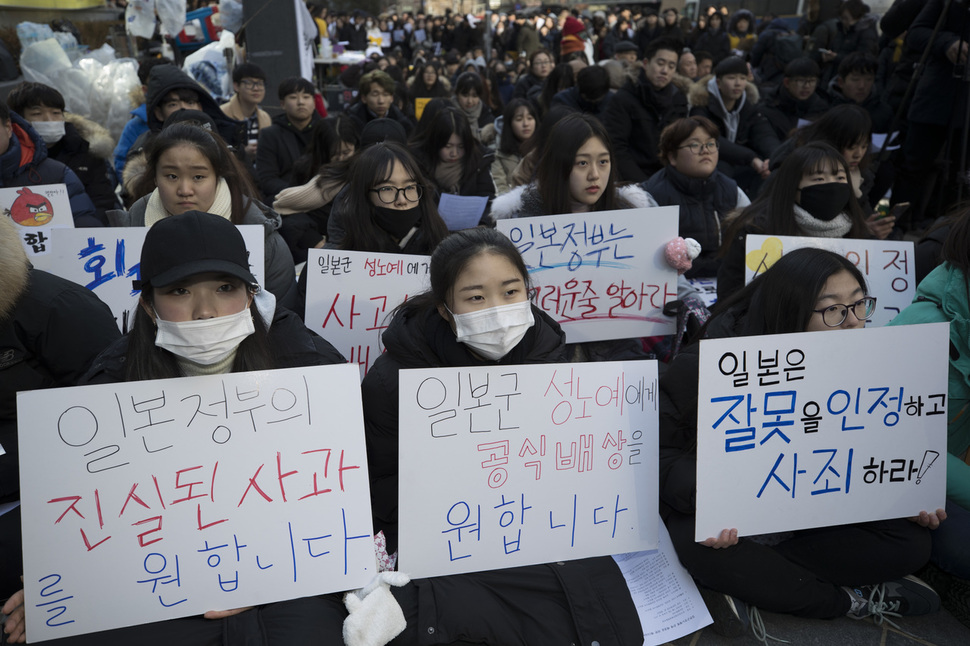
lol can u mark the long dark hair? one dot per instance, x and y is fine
(508, 144)
(773, 210)
(214, 149)
(561, 78)
(842, 127)
(558, 157)
(782, 300)
(449, 259)
(324, 145)
(144, 360)
(369, 168)
(428, 144)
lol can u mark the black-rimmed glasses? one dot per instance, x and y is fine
(834, 315)
(388, 194)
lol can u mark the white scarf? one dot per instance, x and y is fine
(221, 205)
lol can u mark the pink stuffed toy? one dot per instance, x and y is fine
(679, 253)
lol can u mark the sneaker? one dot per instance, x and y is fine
(903, 597)
(730, 614)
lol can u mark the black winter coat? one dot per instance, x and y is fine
(571, 99)
(280, 145)
(783, 111)
(879, 111)
(635, 117)
(74, 151)
(362, 115)
(755, 136)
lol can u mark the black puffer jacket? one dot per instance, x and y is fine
(280, 145)
(783, 111)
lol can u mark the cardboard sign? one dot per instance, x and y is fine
(821, 428)
(162, 499)
(888, 266)
(516, 465)
(601, 275)
(107, 260)
(37, 210)
(351, 294)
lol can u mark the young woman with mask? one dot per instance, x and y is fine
(190, 168)
(519, 123)
(393, 204)
(690, 179)
(478, 313)
(809, 195)
(202, 313)
(856, 570)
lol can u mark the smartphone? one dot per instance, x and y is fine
(898, 210)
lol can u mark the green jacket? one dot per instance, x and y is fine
(943, 296)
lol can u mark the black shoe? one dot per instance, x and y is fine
(730, 614)
(908, 596)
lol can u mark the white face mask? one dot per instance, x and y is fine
(493, 332)
(207, 341)
(50, 131)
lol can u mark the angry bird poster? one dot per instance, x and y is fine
(36, 210)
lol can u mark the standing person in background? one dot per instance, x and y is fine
(714, 39)
(671, 27)
(741, 32)
(283, 142)
(249, 90)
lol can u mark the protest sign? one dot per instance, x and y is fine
(821, 428)
(168, 498)
(107, 260)
(37, 210)
(887, 266)
(601, 275)
(351, 294)
(461, 211)
(504, 466)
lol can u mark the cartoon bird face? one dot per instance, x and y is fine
(31, 209)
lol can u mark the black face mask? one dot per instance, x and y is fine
(395, 222)
(825, 201)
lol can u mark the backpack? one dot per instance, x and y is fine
(786, 48)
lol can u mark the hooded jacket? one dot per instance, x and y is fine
(525, 201)
(942, 297)
(137, 126)
(754, 136)
(280, 273)
(166, 78)
(637, 114)
(86, 149)
(280, 145)
(26, 163)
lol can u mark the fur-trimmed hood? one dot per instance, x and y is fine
(14, 267)
(698, 95)
(99, 139)
(524, 201)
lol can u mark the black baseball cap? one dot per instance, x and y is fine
(192, 243)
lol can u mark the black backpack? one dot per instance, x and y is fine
(786, 48)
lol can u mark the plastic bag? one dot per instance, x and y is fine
(208, 66)
(231, 15)
(171, 13)
(31, 32)
(140, 18)
(44, 61)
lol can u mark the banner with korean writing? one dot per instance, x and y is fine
(37, 211)
(107, 260)
(821, 428)
(601, 275)
(516, 465)
(163, 499)
(887, 265)
(351, 294)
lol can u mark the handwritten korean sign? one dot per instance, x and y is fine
(541, 463)
(887, 265)
(107, 260)
(184, 495)
(821, 428)
(351, 294)
(37, 210)
(601, 275)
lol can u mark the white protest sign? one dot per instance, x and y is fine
(601, 275)
(163, 499)
(351, 294)
(706, 289)
(821, 428)
(461, 211)
(517, 465)
(107, 260)
(37, 210)
(888, 266)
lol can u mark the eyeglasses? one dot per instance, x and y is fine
(805, 82)
(252, 85)
(542, 62)
(696, 147)
(388, 194)
(834, 315)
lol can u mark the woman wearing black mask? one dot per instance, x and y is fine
(809, 195)
(394, 203)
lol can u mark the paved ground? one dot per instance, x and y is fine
(940, 629)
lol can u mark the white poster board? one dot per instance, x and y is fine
(888, 266)
(351, 294)
(601, 275)
(37, 210)
(163, 499)
(517, 465)
(821, 428)
(107, 260)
